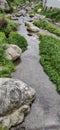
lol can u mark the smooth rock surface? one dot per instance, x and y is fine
(31, 27)
(13, 52)
(15, 97)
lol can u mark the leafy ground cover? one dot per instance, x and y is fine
(7, 25)
(17, 39)
(6, 66)
(52, 13)
(44, 24)
(37, 6)
(50, 57)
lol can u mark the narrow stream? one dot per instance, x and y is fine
(45, 111)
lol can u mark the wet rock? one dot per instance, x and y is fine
(28, 8)
(31, 27)
(22, 12)
(38, 17)
(4, 5)
(30, 34)
(14, 18)
(17, 14)
(31, 15)
(15, 97)
(13, 52)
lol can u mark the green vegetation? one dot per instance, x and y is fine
(2, 38)
(53, 13)
(6, 66)
(8, 37)
(47, 26)
(20, 2)
(17, 39)
(1, 10)
(15, 3)
(37, 6)
(7, 25)
(50, 57)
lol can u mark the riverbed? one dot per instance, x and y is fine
(45, 111)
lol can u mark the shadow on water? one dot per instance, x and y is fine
(17, 62)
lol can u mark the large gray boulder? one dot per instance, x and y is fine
(13, 52)
(4, 5)
(15, 98)
(31, 27)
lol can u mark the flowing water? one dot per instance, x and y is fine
(45, 111)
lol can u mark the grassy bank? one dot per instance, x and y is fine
(6, 66)
(8, 35)
(50, 57)
(52, 13)
(47, 26)
(37, 6)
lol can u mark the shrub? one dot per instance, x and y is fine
(2, 38)
(47, 26)
(1, 10)
(50, 57)
(3, 23)
(53, 13)
(20, 2)
(7, 25)
(7, 66)
(17, 39)
(37, 6)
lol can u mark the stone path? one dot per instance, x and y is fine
(45, 111)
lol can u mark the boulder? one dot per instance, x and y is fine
(15, 100)
(31, 27)
(4, 5)
(13, 52)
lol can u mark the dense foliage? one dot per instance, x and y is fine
(7, 25)
(37, 6)
(53, 13)
(17, 39)
(6, 66)
(44, 24)
(50, 57)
